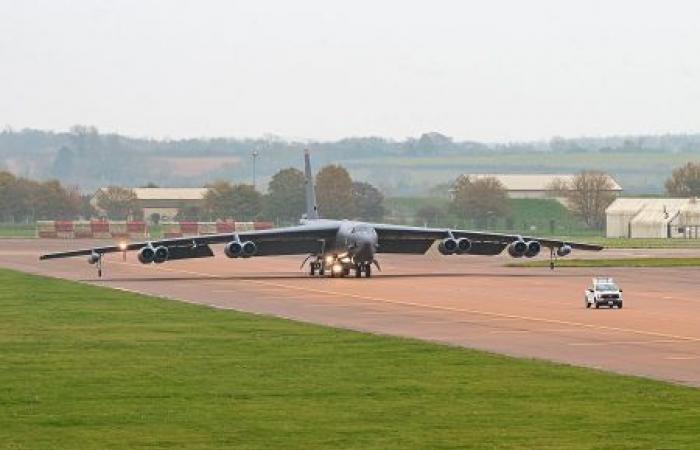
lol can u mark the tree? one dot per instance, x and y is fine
(240, 201)
(118, 203)
(334, 192)
(481, 198)
(285, 198)
(685, 181)
(587, 195)
(52, 201)
(368, 201)
(429, 214)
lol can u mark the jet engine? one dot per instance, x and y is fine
(160, 254)
(463, 245)
(249, 249)
(233, 249)
(533, 249)
(517, 249)
(564, 250)
(448, 246)
(146, 255)
(93, 258)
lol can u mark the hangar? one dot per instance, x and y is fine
(653, 218)
(535, 185)
(166, 202)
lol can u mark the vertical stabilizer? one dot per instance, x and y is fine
(311, 207)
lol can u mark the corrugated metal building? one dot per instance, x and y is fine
(534, 185)
(653, 218)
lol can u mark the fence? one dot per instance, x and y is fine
(137, 230)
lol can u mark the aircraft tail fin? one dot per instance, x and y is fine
(311, 206)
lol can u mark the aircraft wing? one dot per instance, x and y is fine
(302, 239)
(417, 240)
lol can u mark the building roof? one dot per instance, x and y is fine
(635, 205)
(532, 182)
(169, 193)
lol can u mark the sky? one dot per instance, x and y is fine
(493, 71)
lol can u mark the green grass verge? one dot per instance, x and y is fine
(615, 262)
(640, 243)
(17, 230)
(85, 368)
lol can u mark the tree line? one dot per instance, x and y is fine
(482, 199)
(24, 200)
(338, 197)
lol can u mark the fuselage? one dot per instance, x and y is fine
(357, 241)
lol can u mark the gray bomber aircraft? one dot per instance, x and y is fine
(336, 247)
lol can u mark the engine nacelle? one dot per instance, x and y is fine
(463, 245)
(533, 249)
(564, 250)
(233, 249)
(146, 255)
(93, 258)
(517, 249)
(447, 246)
(249, 249)
(160, 254)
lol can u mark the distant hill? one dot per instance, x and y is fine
(82, 156)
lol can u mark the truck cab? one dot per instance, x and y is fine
(603, 292)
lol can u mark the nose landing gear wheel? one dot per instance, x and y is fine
(368, 270)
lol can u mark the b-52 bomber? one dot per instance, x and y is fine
(333, 247)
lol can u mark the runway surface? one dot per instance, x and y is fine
(469, 301)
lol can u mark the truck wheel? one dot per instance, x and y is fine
(597, 306)
(588, 305)
(619, 305)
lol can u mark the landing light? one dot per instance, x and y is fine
(329, 260)
(337, 268)
(122, 246)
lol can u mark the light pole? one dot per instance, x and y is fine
(255, 157)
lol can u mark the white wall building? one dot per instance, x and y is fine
(653, 218)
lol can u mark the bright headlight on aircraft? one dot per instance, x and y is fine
(337, 268)
(329, 260)
(122, 246)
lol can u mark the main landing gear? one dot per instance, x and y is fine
(363, 267)
(337, 268)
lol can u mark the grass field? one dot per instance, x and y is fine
(615, 262)
(91, 368)
(17, 230)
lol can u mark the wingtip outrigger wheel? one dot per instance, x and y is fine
(552, 257)
(99, 265)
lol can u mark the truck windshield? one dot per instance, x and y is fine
(607, 287)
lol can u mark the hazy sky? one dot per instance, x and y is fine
(483, 70)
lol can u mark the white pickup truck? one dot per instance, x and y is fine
(603, 292)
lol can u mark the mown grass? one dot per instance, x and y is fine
(17, 230)
(615, 262)
(638, 243)
(85, 368)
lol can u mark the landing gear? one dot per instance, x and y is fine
(552, 258)
(368, 270)
(99, 266)
(358, 270)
